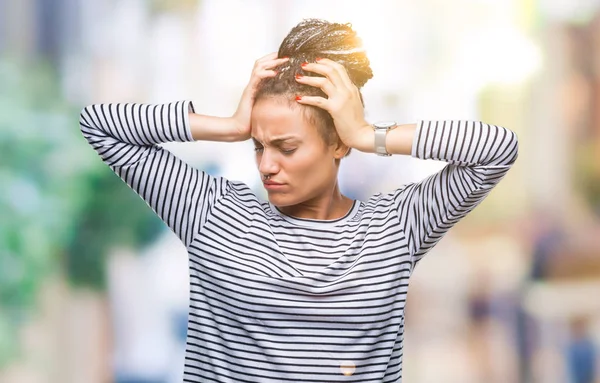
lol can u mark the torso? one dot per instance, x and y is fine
(275, 298)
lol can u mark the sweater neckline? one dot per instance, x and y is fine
(318, 222)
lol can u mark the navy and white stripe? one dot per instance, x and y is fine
(281, 299)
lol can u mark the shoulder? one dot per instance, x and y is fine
(388, 199)
(242, 196)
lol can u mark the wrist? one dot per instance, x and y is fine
(363, 139)
(211, 128)
(233, 130)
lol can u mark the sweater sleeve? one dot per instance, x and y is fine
(478, 155)
(127, 138)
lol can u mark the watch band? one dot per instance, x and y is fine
(380, 136)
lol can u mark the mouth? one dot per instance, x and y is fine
(270, 185)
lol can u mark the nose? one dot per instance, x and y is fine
(267, 163)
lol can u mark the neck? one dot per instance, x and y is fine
(326, 206)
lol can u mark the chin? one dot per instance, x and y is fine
(281, 200)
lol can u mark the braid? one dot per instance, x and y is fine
(308, 40)
(314, 38)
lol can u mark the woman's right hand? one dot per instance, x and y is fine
(263, 68)
(236, 127)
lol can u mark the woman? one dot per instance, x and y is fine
(309, 285)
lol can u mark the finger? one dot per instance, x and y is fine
(270, 60)
(269, 65)
(320, 82)
(325, 70)
(264, 70)
(336, 72)
(313, 100)
(258, 75)
(275, 63)
(264, 73)
(340, 69)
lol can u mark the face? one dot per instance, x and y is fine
(292, 152)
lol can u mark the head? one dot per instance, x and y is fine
(297, 145)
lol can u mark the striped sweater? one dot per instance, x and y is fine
(275, 298)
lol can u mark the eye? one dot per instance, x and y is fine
(258, 149)
(288, 152)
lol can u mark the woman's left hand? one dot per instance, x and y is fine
(342, 102)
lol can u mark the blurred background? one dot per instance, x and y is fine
(94, 288)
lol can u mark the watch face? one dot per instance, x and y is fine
(384, 124)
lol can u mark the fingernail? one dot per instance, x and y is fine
(304, 64)
(318, 59)
(285, 57)
(299, 76)
(298, 98)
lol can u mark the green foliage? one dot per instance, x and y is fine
(35, 217)
(112, 215)
(34, 140)
(60, 205)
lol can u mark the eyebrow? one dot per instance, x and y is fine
(280, 140)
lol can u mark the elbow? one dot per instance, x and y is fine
(507, 148)
(86, 123)
(83, 117)
(513, 148)
(90, 129)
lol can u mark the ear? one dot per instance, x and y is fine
(340, 149)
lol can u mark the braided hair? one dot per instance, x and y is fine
(310, 39)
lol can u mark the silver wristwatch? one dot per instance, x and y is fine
(381, 129)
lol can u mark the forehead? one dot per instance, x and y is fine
(274, 117)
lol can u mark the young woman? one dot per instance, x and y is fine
(309, 285)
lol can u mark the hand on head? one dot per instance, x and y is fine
(329, 88)
(263, 68)
(343, 101)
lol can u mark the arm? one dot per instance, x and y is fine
(478, 155)
(126, 136)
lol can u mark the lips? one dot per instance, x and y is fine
(273, 186)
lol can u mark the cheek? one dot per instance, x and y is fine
(309, 164)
